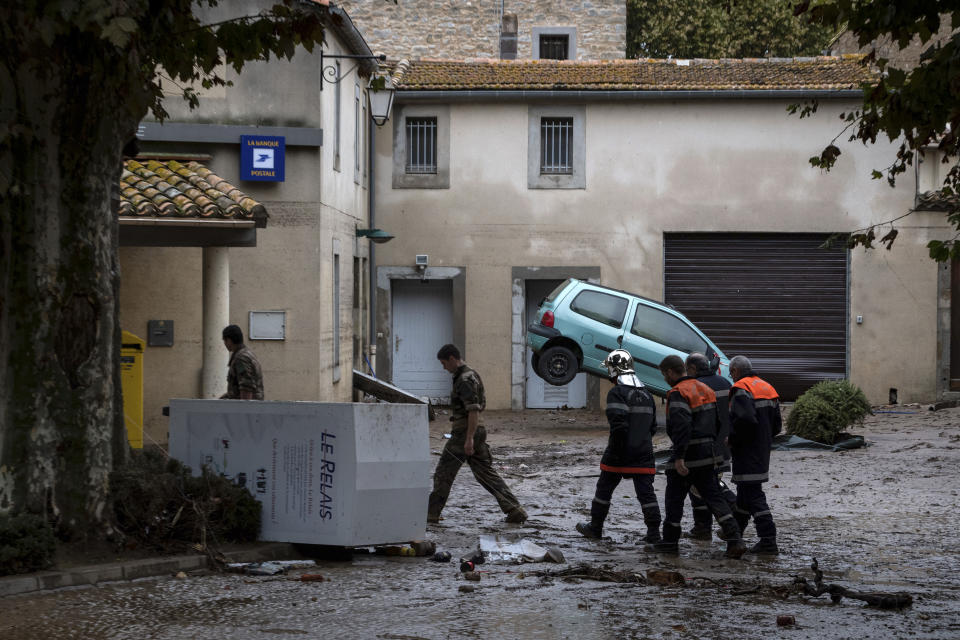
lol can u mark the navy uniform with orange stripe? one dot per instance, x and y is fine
(631, 413)
(693, 425)
(754, 421)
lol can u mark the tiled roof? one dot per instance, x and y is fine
(937, 201)
(820, 73)
(172, 189)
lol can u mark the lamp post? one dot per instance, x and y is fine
(374, 235)
(379, 91)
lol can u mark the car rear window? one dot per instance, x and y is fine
(553, 294)
(667, 329)
(601, 307)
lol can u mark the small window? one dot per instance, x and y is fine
(554, 47)
(667, 329)
(601, 307)
(556, 146)
(421, 145)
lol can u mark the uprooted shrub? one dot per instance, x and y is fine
(158, 503)
(826, 410)
(27, 543)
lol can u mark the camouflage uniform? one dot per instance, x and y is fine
(244, 373)
(468, 396)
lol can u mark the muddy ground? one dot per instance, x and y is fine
(883, 518)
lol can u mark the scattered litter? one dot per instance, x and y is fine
(665, 578)
(586, 572)
(467, 588)
(472, 576)
(788, 443)
(271, 568)
(312, 577)
(837, 593)
(899, 412)
(786, 621)
(181, 575)
(448, 435)
(497, 548)
(441, 556)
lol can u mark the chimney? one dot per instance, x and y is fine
(508, 37)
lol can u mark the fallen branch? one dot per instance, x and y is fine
(586, 572)
(837, 593)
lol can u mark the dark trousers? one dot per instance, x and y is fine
(702, 517)
(642, 484)
(704, 479)
(751, 502)
(481, 463)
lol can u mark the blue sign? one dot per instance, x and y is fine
(261, 158)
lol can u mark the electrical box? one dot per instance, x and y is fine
(160, 333)
(340, 474)
(422, 260)
(267, 325)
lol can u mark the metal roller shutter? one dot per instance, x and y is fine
(776, 298)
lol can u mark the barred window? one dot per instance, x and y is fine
(556, 146)
(421, 145)
(554, 47)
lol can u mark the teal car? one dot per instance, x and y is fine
(579, 323)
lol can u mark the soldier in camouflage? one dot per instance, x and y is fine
(468, 442)
(244, 377)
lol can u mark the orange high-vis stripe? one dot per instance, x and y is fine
(696, 393)
(642, 470)
(760, 389)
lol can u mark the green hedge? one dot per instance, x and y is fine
(826, 410)
(27, 544)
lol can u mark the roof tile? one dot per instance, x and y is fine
(818, 73)
(154, 188)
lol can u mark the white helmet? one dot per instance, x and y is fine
(618, 362)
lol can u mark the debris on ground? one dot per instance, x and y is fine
(587, 572)
(472, 576)
(312, 577)
(897, 600)
(467, 588)
(271, 568)
(499, 548)
(665, 578)
(786, 621)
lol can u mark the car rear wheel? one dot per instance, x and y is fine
(557, 365)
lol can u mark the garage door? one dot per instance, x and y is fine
(778, 299)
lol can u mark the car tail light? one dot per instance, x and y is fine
(547, 319)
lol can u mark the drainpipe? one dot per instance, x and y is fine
(216, 315)
(372, 252)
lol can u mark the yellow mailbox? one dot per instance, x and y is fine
(131, 381)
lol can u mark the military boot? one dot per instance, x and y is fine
(698, 532)
(735, 548)
(653, 535)
(516, 516)
(590, 530)
(765, 547)
(669, 548)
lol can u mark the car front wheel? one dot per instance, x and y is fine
(557, 365)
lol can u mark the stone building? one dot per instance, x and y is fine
(461, 29)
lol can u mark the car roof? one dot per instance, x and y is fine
(627, 293)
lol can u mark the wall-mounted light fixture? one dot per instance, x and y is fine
(375, 235)
(379, 91)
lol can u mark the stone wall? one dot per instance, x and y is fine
(460, 29)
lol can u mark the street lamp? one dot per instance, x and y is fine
(379, 92)
(375, 235)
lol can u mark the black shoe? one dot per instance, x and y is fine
(517, 516)
(699, 533)
(433, 518)
(670, 548)
(587, 530)
(735, 549)
(652, 537)
(766, 547)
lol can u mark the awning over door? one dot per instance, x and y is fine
(169, 203)
(776, 298)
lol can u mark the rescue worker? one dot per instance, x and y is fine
(632, 415)
(754, 421)
(468, 442)
(692, 425)
(699, 367)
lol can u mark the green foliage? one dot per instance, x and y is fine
(27, 543)
(918, 109)
(159, 504)
(826, 410)
(726, 29)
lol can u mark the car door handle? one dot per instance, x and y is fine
(603, 348)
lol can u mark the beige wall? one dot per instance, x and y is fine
(290, 269)
(655, 167)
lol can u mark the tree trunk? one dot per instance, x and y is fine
(61, 424)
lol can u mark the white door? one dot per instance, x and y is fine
(422, 323)
(541, 395)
